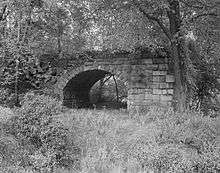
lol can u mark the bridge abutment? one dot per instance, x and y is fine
(147, 77)
(150, 83)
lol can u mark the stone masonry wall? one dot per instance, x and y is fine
(146, 77)
(150, 83)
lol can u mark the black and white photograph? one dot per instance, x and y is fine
(109, 86)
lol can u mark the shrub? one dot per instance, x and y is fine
(34, 118)
(8, 149)
(43, 138)
(11, 152)
(38, 129)
(5, 114)
(7, 98)
(15, 169)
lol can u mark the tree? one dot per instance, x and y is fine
(31, 29)
(184, 27)
(179, 25)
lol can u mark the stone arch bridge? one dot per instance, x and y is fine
(146, 75)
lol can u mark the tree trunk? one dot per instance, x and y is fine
(173, 34)
(59, 40)
(59, 45)
(2, 14)
(179, 91)
(175, 24)
(16, 82)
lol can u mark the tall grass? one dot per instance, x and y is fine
(160, 140)
(106, 141)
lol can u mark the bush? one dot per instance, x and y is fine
(39, 131)
(35, 117)
(11, 152)
(5, 114)
(7, 98)
(15, 169)
(42, 138)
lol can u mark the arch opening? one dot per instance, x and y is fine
(110, 92)
(77, 92)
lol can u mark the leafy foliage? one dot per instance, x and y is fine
(157, 140)
(171, 24)
(31, 29)
(11, 152)
(44, 138)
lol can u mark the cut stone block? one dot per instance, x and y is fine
(148, 91)
(159, 79)
(170, 91)
(163, 85)
(152, 67)
(159, 85)
(157, 91)
(148, 96)
(159, 73)
(170, 78)
(166, 98)
(148, 61)
(159, 60)
(163, 67)
(156, 98)
(164, 91)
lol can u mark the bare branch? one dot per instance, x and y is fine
(191, 5)
(154, 18)
(2, 14)
(203, 15)
(209, 4)
(200, 4)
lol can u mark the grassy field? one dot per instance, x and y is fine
(41, 137)
(157, 140)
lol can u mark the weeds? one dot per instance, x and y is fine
(99, 141)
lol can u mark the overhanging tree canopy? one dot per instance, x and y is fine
(187, 28)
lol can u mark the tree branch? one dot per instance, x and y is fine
(203, 15)
(156, 19)
(191, 5)
(3, 13)
(200, 5)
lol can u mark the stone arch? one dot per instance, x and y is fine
(83, 78)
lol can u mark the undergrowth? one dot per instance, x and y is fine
(158, 140)
(41, 138)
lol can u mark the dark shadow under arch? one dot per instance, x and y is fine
(76, 92)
